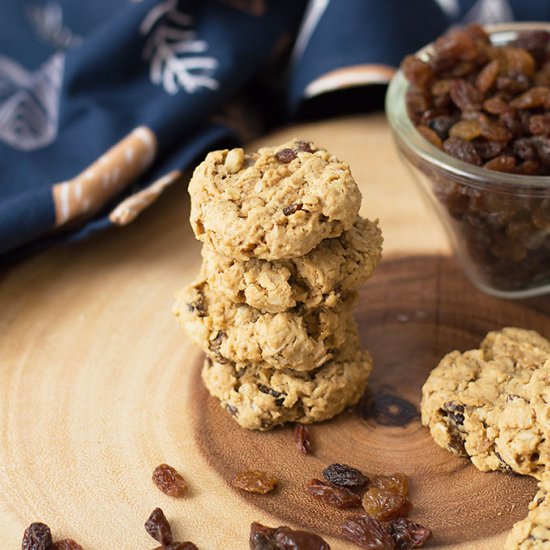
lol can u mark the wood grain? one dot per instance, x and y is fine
(98, 385)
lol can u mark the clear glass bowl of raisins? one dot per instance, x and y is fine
(470, 114)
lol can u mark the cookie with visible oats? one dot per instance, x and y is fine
(300, 339)
(533, 532)
(492, 404)
(259, 397)
(278, 203)
(317, 279)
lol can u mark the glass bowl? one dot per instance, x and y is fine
(498, 223)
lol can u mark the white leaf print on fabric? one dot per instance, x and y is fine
(47, 22)
(29, 103)
(171, 49)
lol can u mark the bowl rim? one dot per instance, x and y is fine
(407, 136)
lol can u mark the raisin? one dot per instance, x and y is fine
(169, 481)
(304, 146)
(430, 136)
(197, 306)
(492, 130)
(489, 149)
(542, 146)
(539, 125)
(535, 42)
(524, 149)
(37, 536)
(283, 538)
(441, 125)
(216, 344)
(384, 505)
(465, 96)
(340, 497)
(408, 534)
(504, 163)
(486, 78)
(302, 439)
(418, 72)
(285, 155)
(158, 527)
(466, 129)
(279, 397)
(529, 168)
(368, 533)
(496, 105)
(462, 150)
(344, 476)
(293, 208)
(66, 544)
(254, 481)
(394, 483)
(539, 96)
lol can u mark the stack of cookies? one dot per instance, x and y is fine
(284, 250)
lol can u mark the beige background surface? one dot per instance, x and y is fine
(95, 375)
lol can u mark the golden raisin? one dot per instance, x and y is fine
(255, 481)
(466, 129)
(385, 505)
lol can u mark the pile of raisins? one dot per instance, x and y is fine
(489, 106)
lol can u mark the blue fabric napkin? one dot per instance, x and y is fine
(104, 103)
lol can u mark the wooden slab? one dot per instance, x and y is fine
(98, 385)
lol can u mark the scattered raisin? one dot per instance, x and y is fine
(292, 209)
(285, 155)
(340, 497)
(368, 533)
(158, 527)
(283, 538)
(37, 536)
(384, 505)
(408, 534)
(395, 483)
(302, 439)
(345, 476)
(254, 481)
(66, 544)
(169, 481)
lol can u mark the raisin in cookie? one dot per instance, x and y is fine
(533, 532)
(314, 280)
(277, 203)
(493, 404)
(296, 339)
(259, 397)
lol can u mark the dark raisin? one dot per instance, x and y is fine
(304, 146)
(285, 155)
(524, 149)
(254, 481)
(302, 439)
(269, 391)
(158, 527)
(384, 505)
(408, 534)
(231, 409)
(293, 208)
(462, 150)
(345, 476)
(37, 536)
(542, 145)
(441, 125)
(454, 412)
(340, 497)
(66, 544)
(197, 306)
(368, 533)
(216, 344)
(283, 538)
(169, 481)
